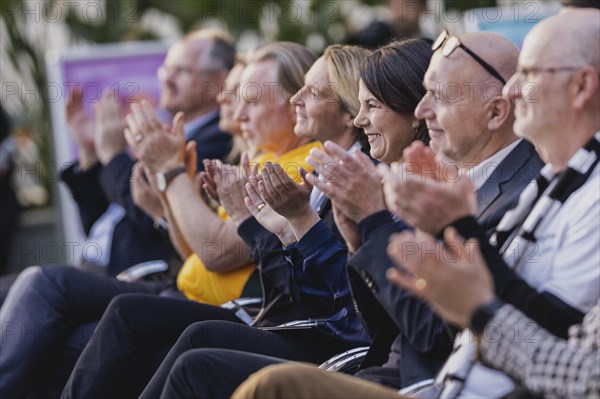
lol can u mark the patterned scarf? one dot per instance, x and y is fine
(540, 202)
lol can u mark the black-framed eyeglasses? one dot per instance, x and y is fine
(451, 43)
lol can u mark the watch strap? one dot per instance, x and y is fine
(483, 314)
(171, 174)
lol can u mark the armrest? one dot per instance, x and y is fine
(346, 362)
(450, 380)
(242, 306)
(141, 270)
(241, 302)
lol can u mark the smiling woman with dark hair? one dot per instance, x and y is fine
(198, 369)
(393, 75)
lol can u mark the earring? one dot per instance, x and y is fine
(415, 125)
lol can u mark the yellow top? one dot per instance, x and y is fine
(201, 285)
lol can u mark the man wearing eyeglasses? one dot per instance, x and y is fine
(193, 75)
(557, 95)
(470, 124)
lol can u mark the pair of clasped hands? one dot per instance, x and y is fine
(425, 191)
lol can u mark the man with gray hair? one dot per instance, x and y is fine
(192, 76)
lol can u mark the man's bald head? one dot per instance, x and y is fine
(467, 117)
(495, 49)
(221, 54)
(460, 67)
(557, 93)
(570, 37)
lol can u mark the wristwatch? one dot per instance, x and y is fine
(164, 178)
(161, 224)
(482, 316)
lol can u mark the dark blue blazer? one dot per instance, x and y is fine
(129, 244)
(407, 335)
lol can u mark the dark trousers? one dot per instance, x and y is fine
(6, 282)
(47, 317)
(212, 373)
(301, 345)
(130, 341)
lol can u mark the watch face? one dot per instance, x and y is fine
(161, 182)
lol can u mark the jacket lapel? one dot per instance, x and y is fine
(510, 165)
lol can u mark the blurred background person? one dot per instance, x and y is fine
(404, 21)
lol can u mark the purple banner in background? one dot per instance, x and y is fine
(127, 71)
(130, 78)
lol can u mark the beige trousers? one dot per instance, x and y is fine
(297, 380)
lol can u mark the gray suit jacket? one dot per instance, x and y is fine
(501, 190)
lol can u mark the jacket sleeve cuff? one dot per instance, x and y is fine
(114, 172)
(251, 231)
(73, 173)
(317, 237)
(374, 223)
(467, 227)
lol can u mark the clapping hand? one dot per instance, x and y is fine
(109, 139)
(351, 181)
(154, 144)
(264, 214)
(282, 194)
(426, 192)
(230, 187)
(81, 127)
(452, 275)
(144, 194)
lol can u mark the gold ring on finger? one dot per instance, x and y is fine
(420, 284)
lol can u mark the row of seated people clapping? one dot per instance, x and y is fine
(320, 245)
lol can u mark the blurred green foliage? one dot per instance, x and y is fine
(313, 22)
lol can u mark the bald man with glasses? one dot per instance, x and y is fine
(470, 125)
(557, 219)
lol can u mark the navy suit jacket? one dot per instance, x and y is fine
(135, 239)
(406, 333)
(129, 245)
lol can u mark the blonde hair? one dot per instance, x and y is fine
(293, 61)
(343, 66)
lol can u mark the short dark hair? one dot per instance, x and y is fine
(394, 75)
